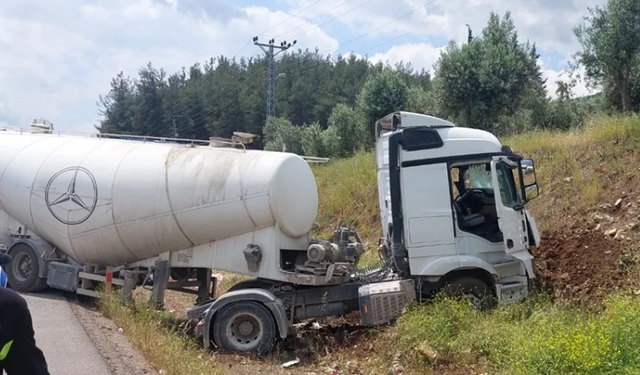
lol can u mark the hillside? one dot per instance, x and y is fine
(588, 210)
(588, 180)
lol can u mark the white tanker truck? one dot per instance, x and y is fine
(75, 210)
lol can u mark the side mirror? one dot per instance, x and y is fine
(531, 192)
(529, 182)
(528, 172)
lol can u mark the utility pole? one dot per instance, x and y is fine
(270, 51)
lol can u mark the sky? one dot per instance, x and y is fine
(58, 57)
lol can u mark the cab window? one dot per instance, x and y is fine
(509, 195)
(475, 176)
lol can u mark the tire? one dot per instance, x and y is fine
(23, 270)
(258, 336)
(474, 290)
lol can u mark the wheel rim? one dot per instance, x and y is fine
(474, 299)
(22, 267)
(244, 330)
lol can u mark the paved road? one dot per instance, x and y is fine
(66, 346)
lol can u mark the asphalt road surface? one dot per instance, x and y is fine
(64, 341)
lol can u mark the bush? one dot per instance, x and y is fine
(534, 337)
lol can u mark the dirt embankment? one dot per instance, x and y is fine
(591, 256)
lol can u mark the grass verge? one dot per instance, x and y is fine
(535, 337)
(164, 345)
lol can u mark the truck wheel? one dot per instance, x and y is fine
(244, 327)
(23, 270)
(474, 290)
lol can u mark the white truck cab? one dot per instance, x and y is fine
(443, 223)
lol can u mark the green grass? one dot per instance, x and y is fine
(535, 337)
(599, 159)
(348, 196)
(164, 345)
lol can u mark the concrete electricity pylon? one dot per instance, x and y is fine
(270, 51)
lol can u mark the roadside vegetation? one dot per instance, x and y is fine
(586, 317)
(535, 337)
(166, 344)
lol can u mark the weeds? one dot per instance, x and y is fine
(163, 343)
(535, 337)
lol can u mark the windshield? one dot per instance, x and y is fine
(509, 182)
(478, 177)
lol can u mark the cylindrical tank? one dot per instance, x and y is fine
(111, 202)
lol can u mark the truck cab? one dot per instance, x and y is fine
(452, 203)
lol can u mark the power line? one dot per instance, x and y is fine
(463, 4)
(209, 112)
(269, 50)
(278, 24)
(334, 18)
(388, 23)
(316, 17)
(291, 16)
(421, 25)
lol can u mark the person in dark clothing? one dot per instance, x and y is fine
(19, 354)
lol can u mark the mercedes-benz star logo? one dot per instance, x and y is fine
(71, 195)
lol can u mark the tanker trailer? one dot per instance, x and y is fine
(71, 201)
(77, 210)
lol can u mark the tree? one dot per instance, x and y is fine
(612, 98)
(381, 94)
(117, 107)
(483, 82)
(149, 114)
(313, 143)
(610, 45)
(347, 124)
(281, 135)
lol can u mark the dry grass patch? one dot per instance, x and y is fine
(166, 347)
(582, 169)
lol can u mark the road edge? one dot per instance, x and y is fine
(121, 356)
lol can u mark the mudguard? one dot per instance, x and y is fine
(273, 303)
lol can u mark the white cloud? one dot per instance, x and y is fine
(421, 55)
(58, 57)
(547, 22)
(553, 76)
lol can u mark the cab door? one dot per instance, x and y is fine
(510, 207)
